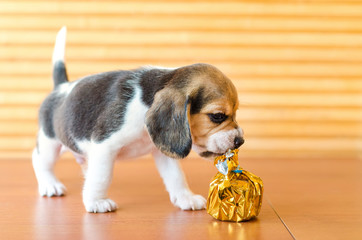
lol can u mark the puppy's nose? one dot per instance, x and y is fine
(238, 141)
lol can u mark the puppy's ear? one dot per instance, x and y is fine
(168, 125)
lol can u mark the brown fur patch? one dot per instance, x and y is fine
(168, 124)
(206, 90)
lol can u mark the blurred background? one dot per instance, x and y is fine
(297, 65)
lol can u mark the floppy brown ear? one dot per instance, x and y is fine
(168, 125)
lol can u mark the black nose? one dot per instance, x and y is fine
(238, 141)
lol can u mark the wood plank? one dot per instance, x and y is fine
(14, 143)
(301, 100)
(307, 129)
(269, 154)
(245, 114)
(217, 38)
(221, 53)
(21, 98)
(177, 22)
(287, 154)
(317, 199)
(200, 8)
(83, 68)
(247, 99)
(20, 127)
(278, 84)
(297, 84)
(333, 144)
(20, 112)
(322, 144)
(252, 1)
(296, 66)
(26, 83)
(148, 203)
(317, 112)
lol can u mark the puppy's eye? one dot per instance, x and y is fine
(217, 117)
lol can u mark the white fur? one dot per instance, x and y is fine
(44, 158)
(59, 48)
(66, 88)
(159, 67)
(101, 157)
(176, 184)
(221, 141)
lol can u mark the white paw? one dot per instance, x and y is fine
(51, 188)
(188, 201)
(100, 206)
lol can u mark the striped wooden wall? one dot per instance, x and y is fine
(297, 64)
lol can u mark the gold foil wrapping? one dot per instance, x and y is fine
(235, 194)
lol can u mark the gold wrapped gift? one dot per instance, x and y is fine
(235, 194)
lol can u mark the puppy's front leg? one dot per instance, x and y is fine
(98, 177)
(174, 179)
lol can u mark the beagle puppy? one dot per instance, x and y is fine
(126, 114)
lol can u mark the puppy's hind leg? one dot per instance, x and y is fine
(44, 158)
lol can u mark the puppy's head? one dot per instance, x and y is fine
(195, 109)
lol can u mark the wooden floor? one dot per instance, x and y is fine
(310, 199)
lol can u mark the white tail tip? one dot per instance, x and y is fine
(59, 48)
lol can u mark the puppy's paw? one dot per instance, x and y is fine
(188, 201)
(51, 189)
(100, 206)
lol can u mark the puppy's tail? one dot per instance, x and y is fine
(59, 71)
